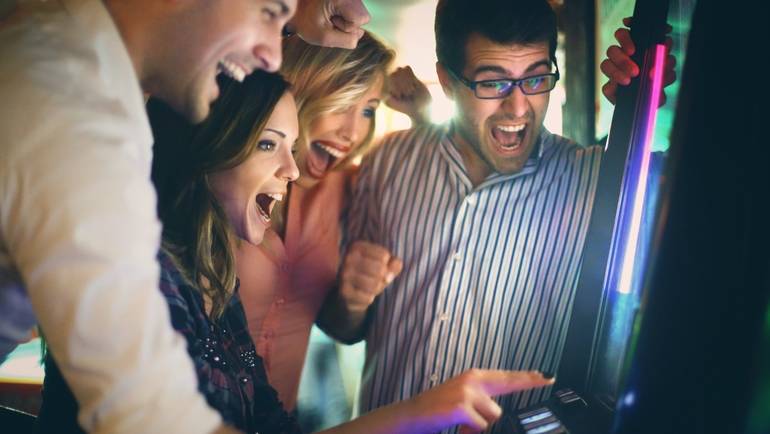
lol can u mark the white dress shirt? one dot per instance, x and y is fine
(489, 271)
(78, 225)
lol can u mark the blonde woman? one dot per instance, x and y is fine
(285, 279)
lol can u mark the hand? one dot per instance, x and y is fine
(408, 95)
(331, 23)
(620, 69)
(466, 399)
(368, 268)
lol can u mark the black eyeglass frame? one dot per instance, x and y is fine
(472, 85)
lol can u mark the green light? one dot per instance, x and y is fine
(759, 418)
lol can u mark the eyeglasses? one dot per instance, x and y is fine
(502, 87)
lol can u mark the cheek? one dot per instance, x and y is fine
(320, 127)
(539, 104)
(477, 113)
(239, 183)
(363, 131)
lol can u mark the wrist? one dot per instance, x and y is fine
(356, 313)
(420, 118)
(405, 417)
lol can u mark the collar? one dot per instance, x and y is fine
(449, 148)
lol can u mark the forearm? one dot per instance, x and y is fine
(340, 322)
(396, 418)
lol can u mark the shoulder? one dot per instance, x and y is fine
(559, 148)
(414, 137)
(173, 285)
(405, 145)
(185, 303)
(67, 74)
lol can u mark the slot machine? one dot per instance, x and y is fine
(670, 328)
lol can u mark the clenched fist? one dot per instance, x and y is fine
(367, 269)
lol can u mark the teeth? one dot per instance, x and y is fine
(336, 153)
(263, 213)
(276, 197)
(511, 128)
(231, 69)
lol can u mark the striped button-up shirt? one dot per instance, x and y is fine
(489, 271)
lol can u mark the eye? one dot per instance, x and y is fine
(499, 86)
(369, 112)
(489, 84)
(266, 145)
(533, 83)
(287, 30)
(269, 13)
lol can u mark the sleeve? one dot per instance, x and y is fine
(78, 218)
(218, 384)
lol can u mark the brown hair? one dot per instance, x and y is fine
(197, 234)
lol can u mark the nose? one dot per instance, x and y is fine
(516, 103)
(267, 52)
(351, 127)
(288, 170)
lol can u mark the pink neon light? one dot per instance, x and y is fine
(636, 219)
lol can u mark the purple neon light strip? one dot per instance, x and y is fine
(636, 220)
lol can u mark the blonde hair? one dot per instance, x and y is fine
(328, 80)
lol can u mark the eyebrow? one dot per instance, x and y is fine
(282, 4)
(280, 133)
(501, 70)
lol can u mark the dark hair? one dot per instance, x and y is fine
(501, 21)
(197, 234)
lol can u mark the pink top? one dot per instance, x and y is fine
(284, 283)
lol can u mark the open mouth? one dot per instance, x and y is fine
(232, 70)
(509, 137)
(321, 158)
(265, 203)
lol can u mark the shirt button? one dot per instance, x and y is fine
(471, 200)
(434, 378)
(443, 317)
(457, 256)
(280, 301)
(244, 380)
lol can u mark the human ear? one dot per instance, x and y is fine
(445, 80)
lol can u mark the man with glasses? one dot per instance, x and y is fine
(488, 214)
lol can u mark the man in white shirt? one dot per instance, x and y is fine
(78, 225)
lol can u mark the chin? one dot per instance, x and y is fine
(307, 182)
(197, 113)
(255, 240)
(254, 235)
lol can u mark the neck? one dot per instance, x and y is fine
(135, 29)
(478, 170)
